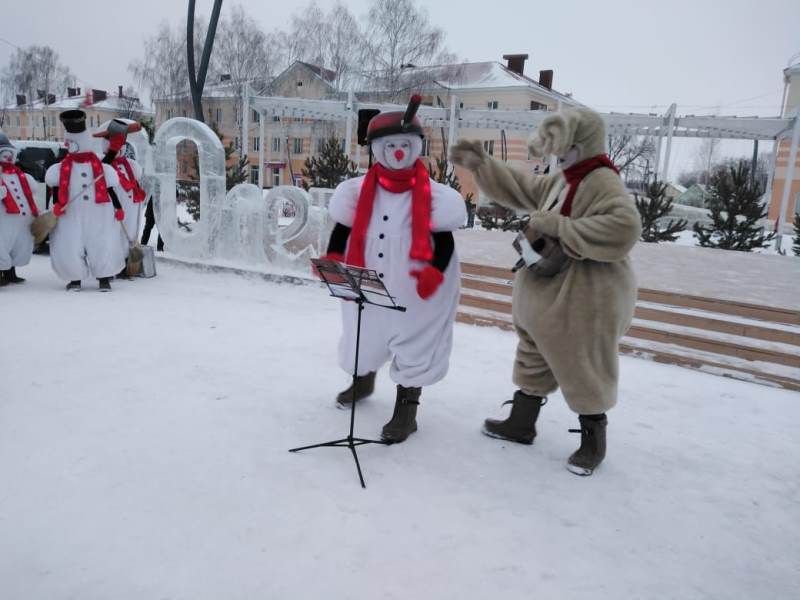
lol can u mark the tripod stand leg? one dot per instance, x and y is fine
(341, 442)
(358, 466)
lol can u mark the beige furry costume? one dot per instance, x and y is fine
(569, 325)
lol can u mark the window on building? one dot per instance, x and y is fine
(488, 146)
(256, 144)
(18, 122)
(492, 104)
(298, 181)
(219, 115)
(297, 145)
(254, 175)
(538, 105)
(341, 145)
(320, 145)
(184, 113)
(275, 118)
(256, 117)
(426, 147)
(276, 177)
(237, 144)
(276, 144)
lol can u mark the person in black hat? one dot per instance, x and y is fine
(87, 240)
(17, 211)
(398, 222)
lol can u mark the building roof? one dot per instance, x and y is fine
(110, 103)
(488, 75)
(325, 74)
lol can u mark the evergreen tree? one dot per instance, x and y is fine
(330, 168)
(796, 246)
(653, 206)
(736, 208)
(441, 174)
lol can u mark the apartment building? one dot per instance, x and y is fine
(37, 119)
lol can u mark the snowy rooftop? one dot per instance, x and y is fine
(144, 437)
(111, 103)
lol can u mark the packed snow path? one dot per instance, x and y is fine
(143, 452)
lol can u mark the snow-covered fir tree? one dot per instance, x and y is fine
(736, 207)
(330, 168)
(654, 206)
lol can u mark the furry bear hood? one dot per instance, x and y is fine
(580, 127)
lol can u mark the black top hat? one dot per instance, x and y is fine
(74, 120)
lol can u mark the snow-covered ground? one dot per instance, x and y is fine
(143, 453)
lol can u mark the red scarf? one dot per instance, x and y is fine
(415, 179)
(11, 205)
(575, 174)
(129, 182)
(100, 191)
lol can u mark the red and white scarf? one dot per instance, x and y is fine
(8, 201)
(415, 179)
(65, 172)
(128, 181)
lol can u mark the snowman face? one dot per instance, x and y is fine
(8, 155)
(399, 151)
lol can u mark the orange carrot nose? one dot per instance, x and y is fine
(399, 154)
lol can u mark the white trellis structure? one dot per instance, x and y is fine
(664, 128)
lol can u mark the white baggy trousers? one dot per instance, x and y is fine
(16, 240)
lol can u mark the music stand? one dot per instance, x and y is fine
(362, 286)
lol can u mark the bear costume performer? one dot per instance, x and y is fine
(87, 240)
(569, 322)
(17, 211)
(398, 222)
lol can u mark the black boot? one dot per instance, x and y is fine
(3, 280)
(404, 419)
(74, 286)
(520, 426)
(593, 445)
(364, 386)
(12, 277)
(104, 284)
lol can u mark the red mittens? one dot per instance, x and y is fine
(119, 214)
(428, 281)
(115, 142)
(59, 210)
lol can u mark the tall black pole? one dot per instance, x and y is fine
(197, 80)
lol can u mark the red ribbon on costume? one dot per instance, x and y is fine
(65, 171)
(415, 179)
(11, 205)
(129, 182)
(575, 174)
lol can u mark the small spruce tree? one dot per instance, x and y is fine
(796, 246)
(330, 168)
(655, 205)
(736, 208)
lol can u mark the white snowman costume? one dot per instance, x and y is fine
(88, 241)
(17, 211)
(132, 196)
(418, 341)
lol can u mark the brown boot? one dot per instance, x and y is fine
(404, 419)
(364, 385)
(593, 445)
(520, 426)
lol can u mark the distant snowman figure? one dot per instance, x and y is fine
(398, 222)
(86, 241)
(17, 211)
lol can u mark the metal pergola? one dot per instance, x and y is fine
(661, 127)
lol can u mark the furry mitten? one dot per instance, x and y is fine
(428, 281)
(468, 154)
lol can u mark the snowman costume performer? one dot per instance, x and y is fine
(17, 211)
(122, 156)
(87, 241)
(398, 222)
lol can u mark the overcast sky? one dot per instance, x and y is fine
(632, 56)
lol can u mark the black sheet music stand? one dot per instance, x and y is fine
(362, 286)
